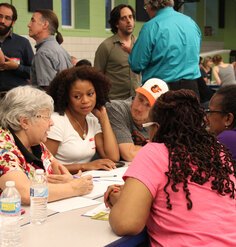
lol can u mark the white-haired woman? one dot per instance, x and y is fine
(25, 118)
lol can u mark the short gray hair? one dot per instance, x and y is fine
(22, 101)
(159, 4)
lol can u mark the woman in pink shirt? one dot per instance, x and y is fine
(181, 185)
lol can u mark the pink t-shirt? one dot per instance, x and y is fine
(211, 221)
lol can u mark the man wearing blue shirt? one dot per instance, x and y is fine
(168, 47)
(18, 53)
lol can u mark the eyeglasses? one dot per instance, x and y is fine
(43, 117)
(146, 125)
(6, 17)
(208, 111)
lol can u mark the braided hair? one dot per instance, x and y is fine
(194, 154)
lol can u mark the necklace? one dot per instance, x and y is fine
(83, 129)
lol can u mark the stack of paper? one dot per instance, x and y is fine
(102, 179)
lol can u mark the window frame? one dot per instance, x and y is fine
(72, 17)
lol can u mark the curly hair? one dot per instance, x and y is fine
(115, 16)
(194, 154)
(59, 88)
(159, 4)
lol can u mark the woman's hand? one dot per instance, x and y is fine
(82, 185)
(112, 195)
(100, 113)
(60, 173)
(101, 164)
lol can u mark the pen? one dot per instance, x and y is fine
(105, 176)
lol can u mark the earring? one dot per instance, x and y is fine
(226, 127)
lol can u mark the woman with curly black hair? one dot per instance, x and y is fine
(181, 185)
(81, 125)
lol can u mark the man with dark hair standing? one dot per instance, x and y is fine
(112, 55)
(168, 47)
(15, 70)
(50, 57)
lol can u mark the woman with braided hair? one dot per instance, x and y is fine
(181, 185)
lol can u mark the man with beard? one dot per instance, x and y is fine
(112, 55)
(127, 117)
(17, 50)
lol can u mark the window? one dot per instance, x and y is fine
(67, 13)
(109, 6)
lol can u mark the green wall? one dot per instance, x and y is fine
(90, 20)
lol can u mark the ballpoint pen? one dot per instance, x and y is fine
(105, 176)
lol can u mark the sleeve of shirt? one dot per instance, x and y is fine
(9, 162)
(119, 119)
(141, 53)
(45, 71)
(24, 69)
(149, 167)
(95, 125)
(101, 56)
(57, 131)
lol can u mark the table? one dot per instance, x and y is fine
(72, 228)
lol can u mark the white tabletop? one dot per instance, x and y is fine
(67, 229)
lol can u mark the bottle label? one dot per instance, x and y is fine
(10, 208)
(39, 192)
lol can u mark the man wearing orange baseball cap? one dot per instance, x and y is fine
(128, 116)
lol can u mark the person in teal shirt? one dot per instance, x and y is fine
(168, 47)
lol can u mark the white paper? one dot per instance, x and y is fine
(100, 188)
(71, 203)
(118, 173)
(98, 209)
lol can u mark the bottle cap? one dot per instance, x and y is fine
(10, 183)
(39, 171)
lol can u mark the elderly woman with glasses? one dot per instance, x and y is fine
(25, 118)
(181, 185)
(221, 117)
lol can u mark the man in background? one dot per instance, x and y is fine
(128, 116)
(15, 70)
(112, 55)
(50, 57)
(168, 47)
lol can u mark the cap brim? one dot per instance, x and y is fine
(146, 94)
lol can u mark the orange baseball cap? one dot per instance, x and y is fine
(152, 89)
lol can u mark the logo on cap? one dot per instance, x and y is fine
(156, 89)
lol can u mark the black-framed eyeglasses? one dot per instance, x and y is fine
(208, 111)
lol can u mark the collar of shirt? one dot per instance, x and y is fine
(49, 38)
(116, 39)
(9, 36)
(33, 158)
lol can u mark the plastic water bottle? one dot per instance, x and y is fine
(10, 216)
(38, 198)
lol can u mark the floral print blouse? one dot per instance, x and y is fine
(12, 158)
